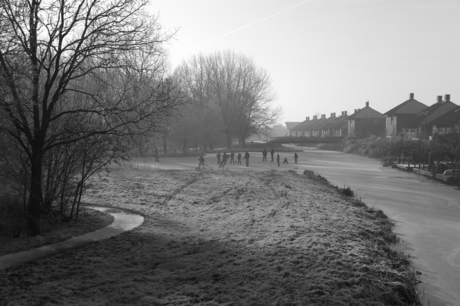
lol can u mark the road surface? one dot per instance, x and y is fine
(426, 213)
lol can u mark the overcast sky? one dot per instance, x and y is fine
(328, 56)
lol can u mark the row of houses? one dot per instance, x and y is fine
(411, 119)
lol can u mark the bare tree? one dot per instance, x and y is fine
(195, 77)
(234, 95)
(253, 111)
(70, 70)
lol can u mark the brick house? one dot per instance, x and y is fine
(403, 119)
(431, 113)
(299, 130)
(325, 128)
(447, 123)
(340, 127)
(314, 130)
(366, 122)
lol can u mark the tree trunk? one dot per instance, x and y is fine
(35, 197)
(243, 142)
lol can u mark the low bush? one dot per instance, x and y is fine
(348, 192)
(12, 212)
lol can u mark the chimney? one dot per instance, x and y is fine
(308, 118)
(332, 115)
(447, 98)
(315, 117)
(323, 116)
(356, 110)
(345, 113)
(439, 99)
(411, 96)
(367, 104)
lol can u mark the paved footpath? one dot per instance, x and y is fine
(123, 221)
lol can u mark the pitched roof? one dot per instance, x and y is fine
(435, 111)
(450, 117)
(341, 123)
(410, 106)
(291, 125)
(366, 113)
(305, 125)
(327, 124)
(312, 127)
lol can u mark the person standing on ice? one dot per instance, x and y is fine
(201, 162)
(285, 161)
(264, 154)
(278, 159)
(239, 158)
(246, 157)
(272, 153)
(295, 157)
(224, 160)
(218, 158)
(232, 158)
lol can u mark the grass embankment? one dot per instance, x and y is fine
(225, 238)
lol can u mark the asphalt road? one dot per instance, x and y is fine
(426, 213)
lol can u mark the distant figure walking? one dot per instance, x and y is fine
(295, 157)
(239, 158)
(285, 161)
(264, 154)
(232, 158)
(201, 162)
(278, 159)
(272, 153)
(224, 160)
(246, 157)
(218, 158)
(156, 155)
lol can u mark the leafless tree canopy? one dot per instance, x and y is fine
(74, 69)
(232, 94)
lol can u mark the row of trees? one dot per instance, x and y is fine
(228, 96)
(83, 82)
(80, 82)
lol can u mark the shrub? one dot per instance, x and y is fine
(12, 211)
(348, 192)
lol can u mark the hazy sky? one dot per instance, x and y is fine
(328, 56)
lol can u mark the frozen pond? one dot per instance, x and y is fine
(427, 213)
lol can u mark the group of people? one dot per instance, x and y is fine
(272, 153)
(226, 156)
(222, 158)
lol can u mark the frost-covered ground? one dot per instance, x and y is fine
(224, 238)
(52, 231)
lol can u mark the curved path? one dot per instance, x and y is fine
(123, 221)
